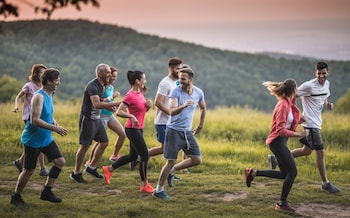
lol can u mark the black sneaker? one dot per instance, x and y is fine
(17, 200)
(93, 173)
(170, 180)
(77, 177)
(18, 165)
(48, 195)
(134, 163)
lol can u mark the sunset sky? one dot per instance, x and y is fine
(317, 28)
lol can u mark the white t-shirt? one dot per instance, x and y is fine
(164, 88)
(313, 95)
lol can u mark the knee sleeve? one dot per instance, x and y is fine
(54, 172)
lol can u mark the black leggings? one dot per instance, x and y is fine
(137, 147)
(286, 163)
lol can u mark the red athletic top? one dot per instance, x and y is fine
(279, 120)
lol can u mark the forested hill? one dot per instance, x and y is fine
(75, 47)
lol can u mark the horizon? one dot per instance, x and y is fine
(315, 28)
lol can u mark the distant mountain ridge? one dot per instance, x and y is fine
(75, 47)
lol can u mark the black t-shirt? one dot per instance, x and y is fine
(92, 88)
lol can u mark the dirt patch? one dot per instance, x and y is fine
(314, 210)
(227, 196)
(322, 210)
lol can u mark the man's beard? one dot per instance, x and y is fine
(175, 75)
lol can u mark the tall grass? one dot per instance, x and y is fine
(232, 139)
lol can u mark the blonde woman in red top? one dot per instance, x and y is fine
(286, 117)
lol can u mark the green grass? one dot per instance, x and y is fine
(232, 139)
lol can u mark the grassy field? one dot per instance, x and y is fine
(232, 139)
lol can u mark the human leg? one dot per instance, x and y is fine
(31, 156)
(43, 169)
(116, 127)
(288, 171)
(93, 149)
(159, 191)
(55, 156)
(160, 129)
(303, 151)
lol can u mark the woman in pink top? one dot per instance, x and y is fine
(134, 107)
(286, 117)
(28, 91)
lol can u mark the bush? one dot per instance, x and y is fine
(9, 88)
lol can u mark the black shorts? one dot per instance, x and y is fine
(91, 130)
(31, 154)
(313, 140)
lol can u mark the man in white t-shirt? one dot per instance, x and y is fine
(162, 102)
(314, 96)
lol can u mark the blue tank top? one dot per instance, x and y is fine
(108, 92)
(36, 137)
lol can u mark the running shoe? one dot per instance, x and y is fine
(108, 175)
(284, 207)
(17, 200)
(177, 178)
(77, 177)
(170, 180)
(48, 195)
(272, 161)
(93, 173)
(133, 163)
(147, 189)
(161, 195)
(18, 165)
(248, 176)
(329, 187)
(44, 172)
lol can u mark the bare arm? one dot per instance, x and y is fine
(123, 112)
(159, 102)
(202, 107)
(17, 101)
(35, 113)
(95, 100)
(328, 105)
(175, 108)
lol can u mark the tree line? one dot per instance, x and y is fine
(75, 47)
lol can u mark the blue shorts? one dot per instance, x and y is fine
(160, 133)
(313, 140)
(177, 140)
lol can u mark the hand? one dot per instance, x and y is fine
(304, 133)
(189, 102)
(134, 121)
(149, 103)
(330, 106)
(116, 94)
(302, 119)
(16, 109)
(60, 130)
(197, 130)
